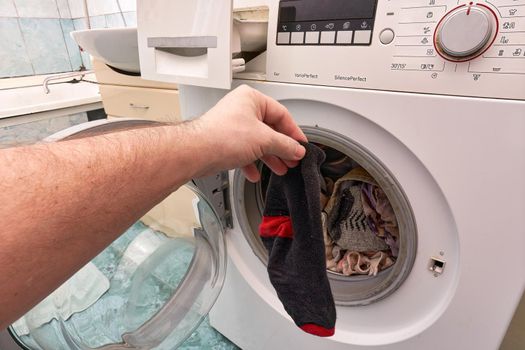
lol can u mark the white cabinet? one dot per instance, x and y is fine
(142, 103)
(126, 96)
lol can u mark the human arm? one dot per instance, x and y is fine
(62, 203)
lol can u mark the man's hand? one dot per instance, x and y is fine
(62, 203)
(247, 125)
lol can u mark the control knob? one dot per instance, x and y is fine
(465, 32)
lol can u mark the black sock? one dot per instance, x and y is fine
(291, 230)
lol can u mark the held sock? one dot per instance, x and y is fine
(292, 232)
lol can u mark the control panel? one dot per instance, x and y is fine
(334, 22)
(452, 47)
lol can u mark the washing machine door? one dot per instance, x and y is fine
(148, 290)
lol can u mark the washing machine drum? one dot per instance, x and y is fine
(148, 290)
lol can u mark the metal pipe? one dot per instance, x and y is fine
(62, 76)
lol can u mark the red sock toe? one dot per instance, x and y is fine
(320, 331)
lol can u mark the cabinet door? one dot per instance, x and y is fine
(131, 102)
(186, 42)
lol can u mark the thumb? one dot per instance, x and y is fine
(284, 147)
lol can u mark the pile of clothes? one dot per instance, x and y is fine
(360, 229)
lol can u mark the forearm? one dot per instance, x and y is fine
(52, 226)
(63, 203)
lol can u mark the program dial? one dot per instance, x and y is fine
(465, 32)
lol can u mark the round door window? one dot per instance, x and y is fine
(148, 290)
(370, 244)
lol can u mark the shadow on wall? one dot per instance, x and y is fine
(34, 34)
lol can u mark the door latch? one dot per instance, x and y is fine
(437, 266)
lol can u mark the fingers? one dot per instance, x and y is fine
(277, 116)
(274, 163)
(280, 133)
(291, 163)
(281, 153)
(284, 147)
(251, 173)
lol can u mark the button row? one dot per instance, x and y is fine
(354, 24)
(342, 37)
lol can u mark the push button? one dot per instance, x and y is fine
(386, 36)
(283, 38)
(312, 38)
(297, 38)
(327, 37)
(344, 37)
(362, 36)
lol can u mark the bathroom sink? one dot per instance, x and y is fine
(117, 47)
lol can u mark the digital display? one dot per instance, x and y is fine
(326, 22)
(325, 10)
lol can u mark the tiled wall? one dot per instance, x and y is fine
(31, 132)
(34, 34)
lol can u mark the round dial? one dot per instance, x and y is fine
(465, 32)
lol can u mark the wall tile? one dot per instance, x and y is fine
(13, 55)
(128, 5)
(34, 34)
(32, 132)
(60, 123)
(78, 118)
(98, 21)
(130, 18)
(102, 7)
(7, 8)
(115, 20)
(71, 45)
(76, 8)
(45, 44)
(63, 9)
(80, 23)
(86, 60)
(37, 8)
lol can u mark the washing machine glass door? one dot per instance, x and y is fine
(148, 290)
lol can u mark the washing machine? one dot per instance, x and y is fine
(428, 97)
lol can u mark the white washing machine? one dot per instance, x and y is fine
(428, 96)
(432, 155)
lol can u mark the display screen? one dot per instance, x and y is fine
(325, 10)
(326, 22)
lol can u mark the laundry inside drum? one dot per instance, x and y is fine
(360, 228)
(370, 227)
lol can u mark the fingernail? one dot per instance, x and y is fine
(299, 151)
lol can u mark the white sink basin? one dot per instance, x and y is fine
(117, 47)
